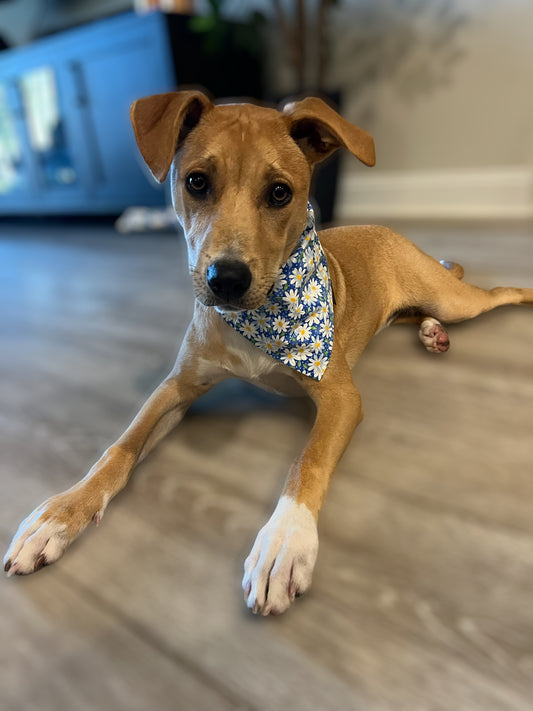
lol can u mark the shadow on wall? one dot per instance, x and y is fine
(413, 45)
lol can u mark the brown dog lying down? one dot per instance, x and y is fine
(275, 305)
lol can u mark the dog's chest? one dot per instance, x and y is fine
(242, 359)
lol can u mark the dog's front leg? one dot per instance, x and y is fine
(281, 562)
(43, 537)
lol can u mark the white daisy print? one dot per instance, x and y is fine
(295, 259)
(269, 345)
(302, 332)
(309, 258)
(322, 274)
(297, 311)
(233, 315)
(261, 322)
(289, 357)
(281, 282)
(315, 287)
(325, 329)
(272, 309)
(318, 367)
(281, 324)
(313, 318)
(297, 276)
(311, 293)
(303, 352)
(292, 298)
(249, 327)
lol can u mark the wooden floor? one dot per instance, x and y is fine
(423, 592)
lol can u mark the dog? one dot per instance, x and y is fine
(275, 305)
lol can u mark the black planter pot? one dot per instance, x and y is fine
(326, 175)
(231, 70)
(324, 188)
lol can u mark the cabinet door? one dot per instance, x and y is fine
(113, 78)
(66, 143)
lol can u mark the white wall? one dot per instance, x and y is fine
(464, 147)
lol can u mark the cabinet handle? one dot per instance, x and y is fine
(82, 97)
(83, 102)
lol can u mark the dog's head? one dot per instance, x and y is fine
(240, 177)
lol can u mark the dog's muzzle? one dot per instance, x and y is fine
(228, 280)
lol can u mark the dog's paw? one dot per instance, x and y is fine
(434, 336)
(43, 537)
(280, 565)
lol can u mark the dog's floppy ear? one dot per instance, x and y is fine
(319, 130)
(161, 122)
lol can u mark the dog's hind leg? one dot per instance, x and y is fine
(432, 289)
(437, 295)
(463, 301)
(432, 333)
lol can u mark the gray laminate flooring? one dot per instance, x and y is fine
(422, 595)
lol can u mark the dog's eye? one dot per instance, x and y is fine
(197, 184)
(280, 195)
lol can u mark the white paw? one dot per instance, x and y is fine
(280, 565)
(43, 537)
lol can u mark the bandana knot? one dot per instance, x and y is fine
(295, 324)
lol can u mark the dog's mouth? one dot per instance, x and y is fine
(247, 303)
(206, 298)
(228, 309)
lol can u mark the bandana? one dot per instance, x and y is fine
(295, 325)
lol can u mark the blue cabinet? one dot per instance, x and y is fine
(66, 144)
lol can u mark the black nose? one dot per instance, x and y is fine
(228, 279)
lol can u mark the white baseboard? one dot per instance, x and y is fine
(491, 193)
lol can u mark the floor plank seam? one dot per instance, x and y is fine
(144, 634)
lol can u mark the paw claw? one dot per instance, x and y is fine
(293, 592)
(40, 563)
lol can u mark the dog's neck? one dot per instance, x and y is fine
(295, 324)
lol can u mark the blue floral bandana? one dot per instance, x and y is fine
(295, 325)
